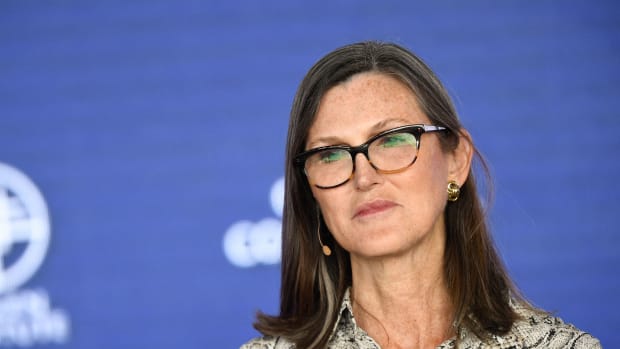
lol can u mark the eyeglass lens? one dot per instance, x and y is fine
(334, 166)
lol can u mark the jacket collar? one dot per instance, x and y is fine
(467, 339)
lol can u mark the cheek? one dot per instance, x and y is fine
(333, 208)
(434, 168)
(426, 185)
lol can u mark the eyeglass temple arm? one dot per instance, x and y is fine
(431, 128)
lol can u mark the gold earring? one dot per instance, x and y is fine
(326, 250)
(454, 190)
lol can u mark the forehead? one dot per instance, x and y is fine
(374, 83)
(351, 109)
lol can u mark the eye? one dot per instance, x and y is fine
(396, 140)
(331, 155)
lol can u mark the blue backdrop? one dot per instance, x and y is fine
(154, 131)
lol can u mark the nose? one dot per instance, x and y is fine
(365, 176)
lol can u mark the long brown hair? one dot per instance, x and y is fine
(313, 285)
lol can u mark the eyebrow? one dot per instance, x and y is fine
(382, 125)
(374, 129)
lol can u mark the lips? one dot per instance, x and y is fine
(373, 207)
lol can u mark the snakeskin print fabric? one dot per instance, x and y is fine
(536, 330)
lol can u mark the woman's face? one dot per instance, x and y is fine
(376, 214)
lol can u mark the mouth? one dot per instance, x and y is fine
(373, 207)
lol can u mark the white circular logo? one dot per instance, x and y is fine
(24, 228)
(247, 244)
(276, 197)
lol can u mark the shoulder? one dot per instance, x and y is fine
(268, 342)
(538, 329)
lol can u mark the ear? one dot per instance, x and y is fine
(461, 158)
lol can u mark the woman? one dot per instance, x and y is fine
(384, 238)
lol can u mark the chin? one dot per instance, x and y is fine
(378, 249)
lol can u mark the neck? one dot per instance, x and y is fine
(403, 301)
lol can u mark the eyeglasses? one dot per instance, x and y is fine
(390, 151)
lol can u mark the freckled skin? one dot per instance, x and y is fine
(352, 112)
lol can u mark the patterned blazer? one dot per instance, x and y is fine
(535, 330)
